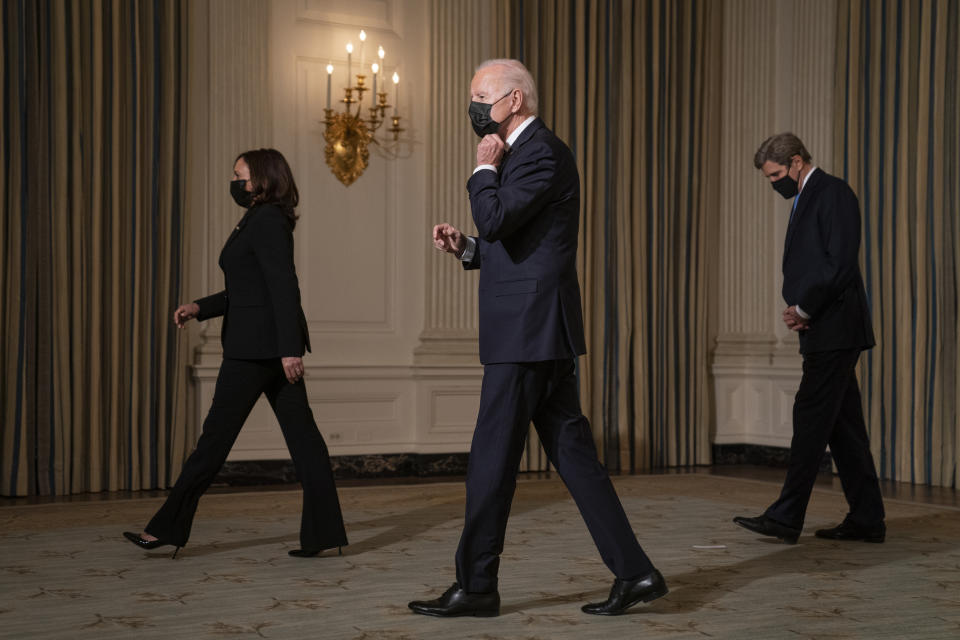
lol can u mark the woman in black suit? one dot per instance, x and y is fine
(264, 337)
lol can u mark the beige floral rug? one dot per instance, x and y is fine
(65, 571)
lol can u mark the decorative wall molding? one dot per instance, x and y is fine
(453, 410)
(754, 404)
(448, 347)
(448, 397)
(381, 15)
(348, 233)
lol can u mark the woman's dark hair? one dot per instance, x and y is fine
(272, 180)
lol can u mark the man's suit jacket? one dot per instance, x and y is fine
(528, 214)
(261, 304)
(821, 267)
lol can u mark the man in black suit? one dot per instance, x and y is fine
(827, 305)
(525, 200)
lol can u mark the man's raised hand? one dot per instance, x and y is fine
(448, 238)
(490, 150)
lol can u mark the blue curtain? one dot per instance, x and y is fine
(91, 174)
(898, 90)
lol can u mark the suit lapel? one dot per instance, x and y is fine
(805, 198)
(238, 228)
(532, 128)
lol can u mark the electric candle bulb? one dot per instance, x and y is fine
(329, 76)
(396, 92)
(349, 55)
(380, 53)
(363, 38)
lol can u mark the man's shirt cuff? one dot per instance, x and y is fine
(481, 167)
(469, 250)
(802, 313)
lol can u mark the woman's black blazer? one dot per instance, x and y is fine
(261, 304)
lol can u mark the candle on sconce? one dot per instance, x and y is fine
(374, 68)
(329, 77)
(396, 93)
(363, 38)
(380, 54)
(349, 55)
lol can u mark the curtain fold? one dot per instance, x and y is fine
(92, 177)
(632, 88)
(897, 90)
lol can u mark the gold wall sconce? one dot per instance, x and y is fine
(348, 133)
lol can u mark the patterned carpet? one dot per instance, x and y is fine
(65, 572)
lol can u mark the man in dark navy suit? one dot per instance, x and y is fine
(827, 305)
(525, 200)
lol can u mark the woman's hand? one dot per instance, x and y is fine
(185, 312)
(293, 369)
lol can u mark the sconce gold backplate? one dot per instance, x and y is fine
(347, 137)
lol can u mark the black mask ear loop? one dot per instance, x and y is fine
(495, 102)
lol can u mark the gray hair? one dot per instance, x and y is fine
(516, 76)
(780, 149)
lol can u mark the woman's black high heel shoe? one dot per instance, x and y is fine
(148, 544)
(307, 553)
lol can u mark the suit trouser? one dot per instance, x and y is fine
(511, 396)
(828, 410)
(239, 385)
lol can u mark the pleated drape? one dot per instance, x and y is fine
(898, 90)
(92, 182)
(632, 87)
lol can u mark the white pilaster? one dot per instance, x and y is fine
(450, 332)
(228, 113)
(230, 53)
(778, 76)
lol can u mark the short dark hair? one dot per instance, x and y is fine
(779, 149)
(272, 180)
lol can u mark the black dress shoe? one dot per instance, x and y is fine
(626, 593)
(767, 527)
(847, 530)
(457, 602)
(309, 553)
(149, 544)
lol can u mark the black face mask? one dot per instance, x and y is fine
(786, 186)
(480, 117)
(240, 195)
